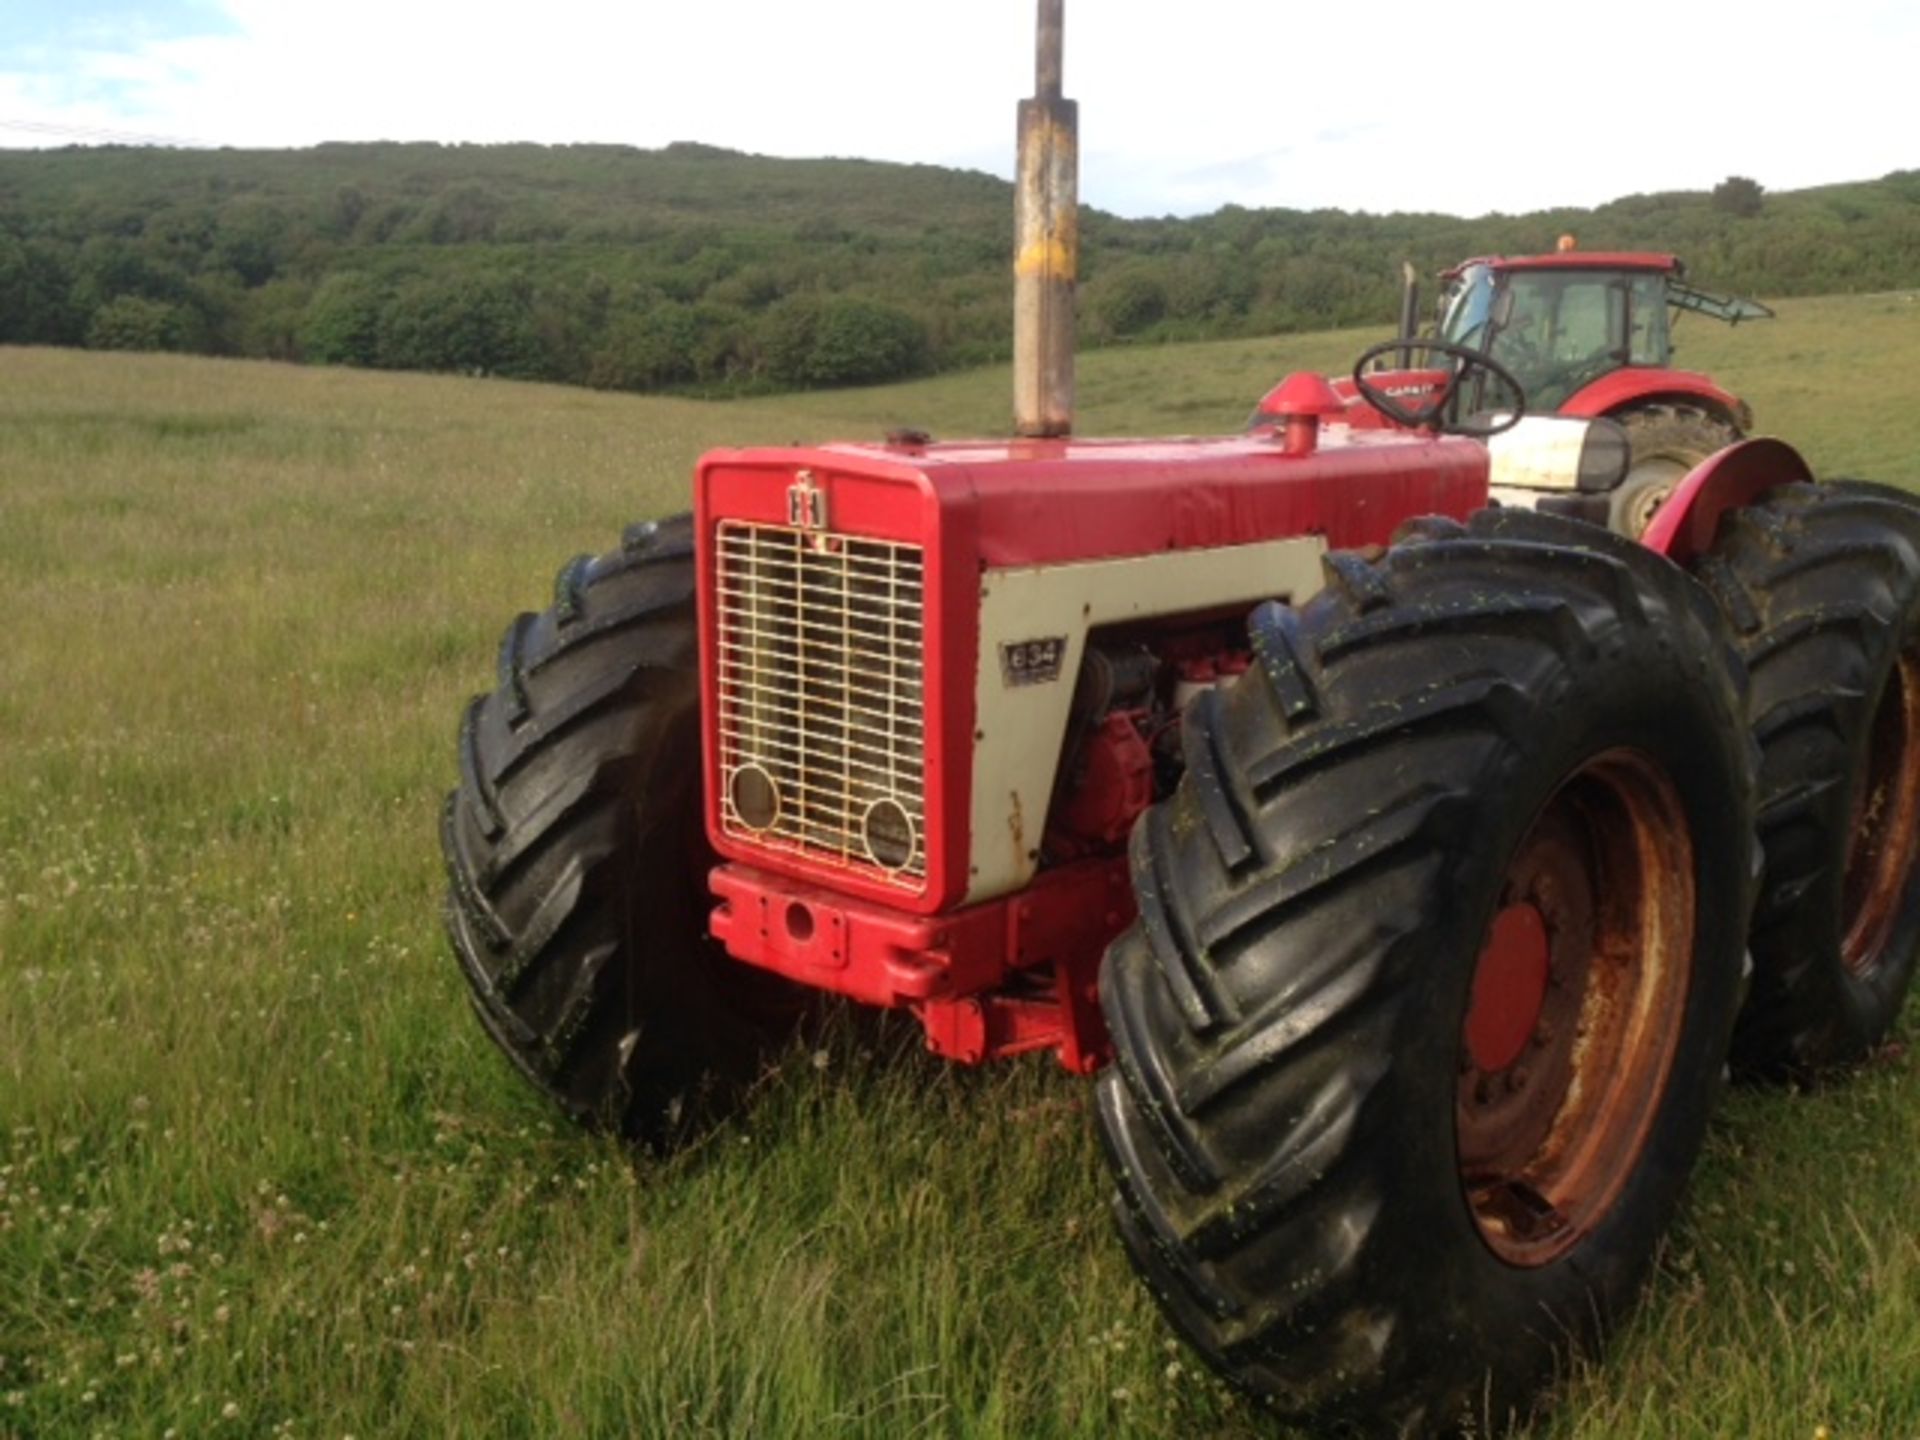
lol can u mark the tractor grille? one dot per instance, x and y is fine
(821, 737)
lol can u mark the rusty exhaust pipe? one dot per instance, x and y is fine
(1046, 243)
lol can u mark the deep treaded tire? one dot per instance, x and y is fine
(1664, 443)
(1290, 1014)
(576, 861)
(1822, 586)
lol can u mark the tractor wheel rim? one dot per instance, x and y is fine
(1885, 821)
(1547, 1140)
(1648, 505)
(1666, 470)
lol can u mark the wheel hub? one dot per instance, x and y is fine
(1646, 506)
(1508, 987)
(1525, 1010)
(1576, 1008)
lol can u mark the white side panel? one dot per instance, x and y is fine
(1542, 452)
(1022, 721)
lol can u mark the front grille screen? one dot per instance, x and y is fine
(821, 734)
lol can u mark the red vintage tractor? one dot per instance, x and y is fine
(1392, 861)
(1587, 335)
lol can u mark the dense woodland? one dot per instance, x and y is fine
(708, 271)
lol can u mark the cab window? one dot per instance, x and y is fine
(1649, 343)
(1562, 329)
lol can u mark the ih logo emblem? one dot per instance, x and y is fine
(806, 503)
(1032, 662)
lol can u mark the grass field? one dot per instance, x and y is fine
(261, 1175)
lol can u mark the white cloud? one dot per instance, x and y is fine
(1386, 106)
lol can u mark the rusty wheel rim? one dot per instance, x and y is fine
(1578, 997)
(1885, 821)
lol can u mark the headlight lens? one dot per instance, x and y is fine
(1604, 456)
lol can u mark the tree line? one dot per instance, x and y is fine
(694, 269)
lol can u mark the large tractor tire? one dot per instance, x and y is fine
(577, 863)
(1664, 443)
(1440, 944)
(1822, 587)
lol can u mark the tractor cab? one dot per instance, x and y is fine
(1557, 326)
(1560, 322)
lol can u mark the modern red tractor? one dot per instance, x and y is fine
(1392, 861)
(1584, 335)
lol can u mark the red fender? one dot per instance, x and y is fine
(1684, 528)
(1632, 383)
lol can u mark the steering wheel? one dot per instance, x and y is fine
(1432, 413)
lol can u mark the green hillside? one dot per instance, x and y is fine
(698, 269)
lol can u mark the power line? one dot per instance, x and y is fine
(100, 135)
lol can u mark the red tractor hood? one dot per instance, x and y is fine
(1037, 502)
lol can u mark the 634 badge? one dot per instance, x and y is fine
(1032, 662)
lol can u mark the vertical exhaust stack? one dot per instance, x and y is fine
(1046, 243)
(1409, 311)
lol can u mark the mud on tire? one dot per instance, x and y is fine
(1294, 1120)
(1822, 586)
(576, 861)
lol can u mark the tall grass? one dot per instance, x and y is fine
(261, 1175)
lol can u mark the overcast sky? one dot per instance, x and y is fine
(1184, 107)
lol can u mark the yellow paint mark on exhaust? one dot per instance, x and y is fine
(1047, 244)
(1049, 258)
